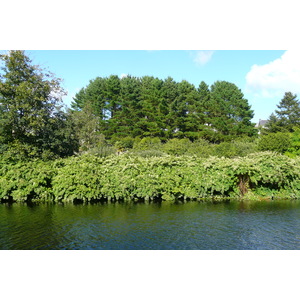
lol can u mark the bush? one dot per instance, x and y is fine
(177, 146)
(124, 143)
(225, 149)
(147, 143)
(294, 149)
(236, 148)
(169, 178)
(244, 147)
(102, 151)
(201, 148)
(26, 181)
(148, 153)
(278, 142)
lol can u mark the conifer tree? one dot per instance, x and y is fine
(287, 116)
(230, 112)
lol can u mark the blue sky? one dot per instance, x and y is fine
(262, 75)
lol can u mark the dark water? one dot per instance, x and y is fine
(236, 225)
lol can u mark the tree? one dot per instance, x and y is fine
(206, 113)
(79, 100)
(94, 96)
(230, 113)
(287, 116)
(169, 93)
(151, 118)
(130, 111)
(188, 111)
(87, 128)
(30, 103)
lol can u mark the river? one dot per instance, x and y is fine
(235, 225)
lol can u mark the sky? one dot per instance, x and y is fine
(262, 75)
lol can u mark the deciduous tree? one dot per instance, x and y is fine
(30, 105)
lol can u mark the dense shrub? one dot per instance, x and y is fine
(147, 143)
(294, 148)
(134, 178)
(102, 151)
(148, 153)
(177, 146)
(201, 148)
(278, 142)
(27, 181)
(235, 148)
(124, 143)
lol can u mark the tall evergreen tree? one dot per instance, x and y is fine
(79, 100)
(112, 95)
(94, 96)
(129, 113)
(287, 116)
(188, 110)
(169, 93)
(206, 113)
(230, 112)
(150, 100)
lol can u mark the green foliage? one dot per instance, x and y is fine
(151, 107)
(148, 153)
(201, 148)
(86, 129)
(277, 142)
(135, 178)
(245, 146)
(287, 116)
(229, 112)
(29, 181)
(225, 149)
(102, 150)
(147, 143)
(294, 148)
(32, 123)
(177, 146)
(124, 143)
(236, 148)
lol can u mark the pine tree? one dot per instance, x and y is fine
(189, 117)
(230, 112)
(286, 117)
(128, 116)
(205, 114)
(169, 93)
(151, 121)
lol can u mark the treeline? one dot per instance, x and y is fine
(144, 116)
(151, 107)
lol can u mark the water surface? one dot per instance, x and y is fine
(235, 225)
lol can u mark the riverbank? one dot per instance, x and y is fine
(259, 176)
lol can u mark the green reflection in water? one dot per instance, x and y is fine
(235, 225)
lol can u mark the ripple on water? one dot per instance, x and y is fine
(157, 227)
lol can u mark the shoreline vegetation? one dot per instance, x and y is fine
(132, 178)
(140, 139)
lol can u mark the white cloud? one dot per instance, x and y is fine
(278, 76)
(123, 75)
(202, 57)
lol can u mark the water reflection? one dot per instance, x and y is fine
(235, 225)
